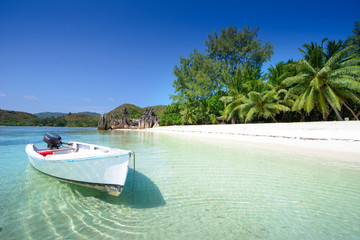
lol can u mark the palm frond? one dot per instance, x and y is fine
(333, 47)
(229, 110)
(306, 67)
(324, 70)
(269, 96)
(337, 57)
(251, 113)
(245, 107)
(282, 92)
(346, 94)
(352, 61)
(295, 80)
(296, 105)
(345, 82)
(332, 97)
(323, 105)
(311, 100)
(302, 51)
(254, 96)
(315, 83)
(303, 98)
(350, 70)
(298, 89)
(287, 102)
(227, 99)
(276, 107)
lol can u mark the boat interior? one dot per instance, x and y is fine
(70, 148)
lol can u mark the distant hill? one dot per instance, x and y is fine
(90, 113)
(15, 118)
(60, 114)
(83, 119)
(134, 112)
(49, 114)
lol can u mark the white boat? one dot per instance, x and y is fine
(89, 165)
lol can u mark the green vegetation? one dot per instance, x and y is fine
(355, 38)
(134, 112)
(14, 118)
(59, 114)
(326, 79)
(81, 120)
(158, 109)
(49, 114)
(171, 115)
(226, 82)
(85, 119)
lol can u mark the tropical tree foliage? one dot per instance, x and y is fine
(355, 38)
(276, 74)
(238, 85)
(234, 47)
(226, 82)
(171, 115)
(197, 78)
(326, 80)
(262, 105)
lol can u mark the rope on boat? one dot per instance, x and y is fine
(133, 153)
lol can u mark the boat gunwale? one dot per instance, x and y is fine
(78, 159)
(33, 154)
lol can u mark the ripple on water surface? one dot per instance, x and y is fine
(184, 188)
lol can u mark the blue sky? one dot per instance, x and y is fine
(86, 55)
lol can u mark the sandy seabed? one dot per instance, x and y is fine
(338, 137)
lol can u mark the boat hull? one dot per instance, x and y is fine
(107, 173)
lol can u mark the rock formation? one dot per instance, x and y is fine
(102, 125)
(124, 123)
(148, 120)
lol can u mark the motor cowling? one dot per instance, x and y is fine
(53, 140)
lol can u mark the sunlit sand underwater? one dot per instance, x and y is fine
(185, 188)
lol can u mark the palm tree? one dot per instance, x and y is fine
(189, 114)
(333, 47)
(276, 74)
(314, 53)
(238, 86)
(326, 80)
(262, 105)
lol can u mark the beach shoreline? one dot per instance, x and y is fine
(341, 137)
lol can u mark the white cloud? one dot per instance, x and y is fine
(86, 99)
(31, 97)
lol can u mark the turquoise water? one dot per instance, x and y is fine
(185, 188)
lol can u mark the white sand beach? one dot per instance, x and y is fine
(342, 137)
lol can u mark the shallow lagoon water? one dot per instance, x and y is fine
(185, 188)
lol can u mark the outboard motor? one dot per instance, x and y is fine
(53, 140)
